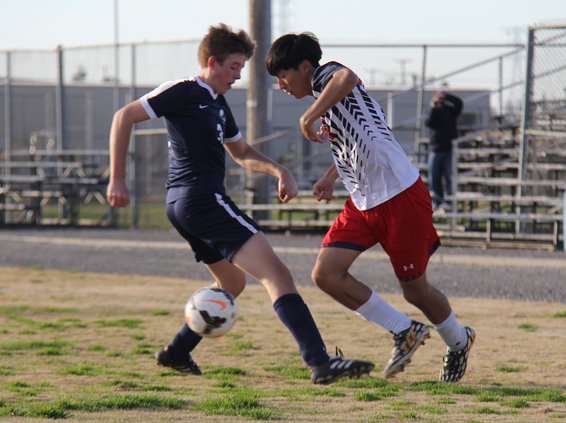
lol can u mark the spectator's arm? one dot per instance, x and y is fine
(455, 101)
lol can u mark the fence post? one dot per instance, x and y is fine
(257, 124)
(134, 204)
(526, 119)
(7, 127)
(419, 111)
(60, 102)
(564, 224)
(525, 124)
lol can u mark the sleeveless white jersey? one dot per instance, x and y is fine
(371, 163)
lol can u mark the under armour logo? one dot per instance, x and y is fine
(408, 267)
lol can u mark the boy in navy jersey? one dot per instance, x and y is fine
(388, 204)
(200, 128)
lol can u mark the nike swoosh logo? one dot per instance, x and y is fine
(202, 106)
(222, 304)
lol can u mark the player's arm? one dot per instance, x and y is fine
(122, 124)
(323, 189)
(342, 82)
(250, 158)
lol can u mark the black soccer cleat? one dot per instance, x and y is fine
(338, 367)
(406, 343)
(455, 362)
(186, 366)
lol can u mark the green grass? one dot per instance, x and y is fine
(120, 323)
(244, 402)
(59, 361)
(511, 369)
(39, 347)
(291, 372)
(62, 408)
(527, 327)
(239, 347)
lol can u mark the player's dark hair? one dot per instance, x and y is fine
(289, 50)
(221, 41)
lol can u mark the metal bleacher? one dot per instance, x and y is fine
(493, 203)
(42, 187)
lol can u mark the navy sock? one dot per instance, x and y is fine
(295, 314)
(183, 343)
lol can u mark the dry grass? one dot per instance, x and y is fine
(79, 346)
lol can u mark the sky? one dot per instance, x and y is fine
(44, 24)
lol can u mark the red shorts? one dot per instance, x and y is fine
(402, 225)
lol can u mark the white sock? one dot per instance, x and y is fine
(452, 332)
(378, 311)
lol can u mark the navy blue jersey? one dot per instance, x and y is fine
(199, 122)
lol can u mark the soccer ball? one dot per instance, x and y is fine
(211, 312)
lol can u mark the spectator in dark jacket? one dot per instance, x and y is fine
(445, 109)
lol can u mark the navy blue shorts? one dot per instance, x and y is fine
(213, 226)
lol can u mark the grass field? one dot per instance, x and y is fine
(80, 347)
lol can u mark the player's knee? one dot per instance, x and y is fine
(323, 278)
(279, 277)
(238, 289)
(412, 297)
(235, 286)
(416, 292)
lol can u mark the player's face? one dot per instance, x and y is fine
(224, 74)
(295, 82)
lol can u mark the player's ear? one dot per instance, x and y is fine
(305, 66)
(211, 62)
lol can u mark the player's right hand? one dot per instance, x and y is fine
(117, 193)
(287, 187)
(311, 133)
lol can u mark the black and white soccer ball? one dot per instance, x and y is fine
(211, 312)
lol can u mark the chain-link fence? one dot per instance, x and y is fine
(62, 100)
(72, 92)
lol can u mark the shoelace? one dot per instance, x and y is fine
(399, 338)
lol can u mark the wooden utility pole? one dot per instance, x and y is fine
(258, 101)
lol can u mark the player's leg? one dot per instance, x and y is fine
(257, 258)
(351, 234)
(409, 245)
(331, 274)
(228, 276)
(458, 339)
(177, 354)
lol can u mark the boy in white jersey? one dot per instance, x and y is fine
(200, 128)
(388, 204)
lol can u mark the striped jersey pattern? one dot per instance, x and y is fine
(371, 163)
